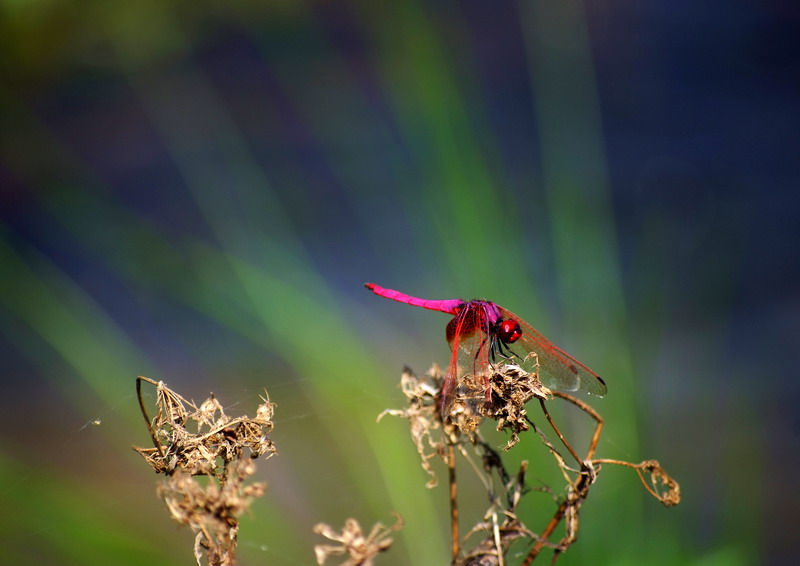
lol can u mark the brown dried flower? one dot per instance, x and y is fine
(191, 441)
(512, 387)
(359, 549)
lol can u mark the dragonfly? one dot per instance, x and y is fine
(483, 334)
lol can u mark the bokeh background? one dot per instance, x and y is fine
(196, 192)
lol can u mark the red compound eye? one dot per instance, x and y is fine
(509, 331)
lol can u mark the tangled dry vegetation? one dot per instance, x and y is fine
(192, 442)
(441, 439)
(206, 458)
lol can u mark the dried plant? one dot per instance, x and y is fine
(440, 437)
(206, 458)
(359, 549)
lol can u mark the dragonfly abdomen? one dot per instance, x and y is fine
(451, 306)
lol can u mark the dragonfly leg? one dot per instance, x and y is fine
(500, 349)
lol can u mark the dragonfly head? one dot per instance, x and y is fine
(509, 331)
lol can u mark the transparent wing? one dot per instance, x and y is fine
(557, 369)
(467, 377)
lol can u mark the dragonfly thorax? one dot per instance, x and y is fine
(476, 316)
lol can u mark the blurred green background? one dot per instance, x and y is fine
(196, 192)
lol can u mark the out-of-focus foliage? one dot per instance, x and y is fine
(196, 191)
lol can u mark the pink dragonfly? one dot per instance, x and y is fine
(483, 333)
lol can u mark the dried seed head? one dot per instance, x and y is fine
(219, 439)
(512, 387)
(359, 549)
(217, 449)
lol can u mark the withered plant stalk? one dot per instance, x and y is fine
(441, 436)
(192, 442)
(451, 476)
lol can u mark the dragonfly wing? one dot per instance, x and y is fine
(467, 378)
(557, 369)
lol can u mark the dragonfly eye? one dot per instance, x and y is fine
(509, 331)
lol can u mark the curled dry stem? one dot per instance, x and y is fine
(661, 485)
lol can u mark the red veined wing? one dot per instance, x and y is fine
(467, 377)
(557, 369)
